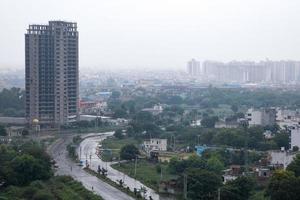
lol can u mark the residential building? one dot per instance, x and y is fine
(261, 117)
(51, 73)
(294, 136)
(282, 158)
(193, 67)
(155, 145)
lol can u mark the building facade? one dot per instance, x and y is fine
(193, 67)
(51, 73)
(155, 145)
(294, 136)
(261, 117)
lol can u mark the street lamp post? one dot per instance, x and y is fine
(36, 125)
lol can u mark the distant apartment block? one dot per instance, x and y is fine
(193, 67)
(277, 72)
(51, 73)
(261, 117)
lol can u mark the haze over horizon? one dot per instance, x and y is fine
(159, 34)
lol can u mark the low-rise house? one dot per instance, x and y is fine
(155, 144)
(294, 136)
(283, 158)
(14, 131)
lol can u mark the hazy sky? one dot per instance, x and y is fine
(159, 33)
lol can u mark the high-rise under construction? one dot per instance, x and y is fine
(51, 74)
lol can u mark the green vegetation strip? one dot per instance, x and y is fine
(150, 174)
(115, 145)
(58, 187)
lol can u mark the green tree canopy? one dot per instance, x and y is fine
(238, 189)
(294, 166)
(202, 184)
(283, 185)
(2, 131)
(129, 152)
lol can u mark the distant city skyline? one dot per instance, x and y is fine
(160, 34)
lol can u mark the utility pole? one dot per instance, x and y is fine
(80, 153)
(91, 160)
(173, 136)
(135, 166)
(219, 194)
(184, 186)
(245, 125)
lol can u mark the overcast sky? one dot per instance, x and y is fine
(159, 33)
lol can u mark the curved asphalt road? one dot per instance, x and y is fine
(67, 167)
(88, 152)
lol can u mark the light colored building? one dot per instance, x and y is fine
(261, 117)
(155, 145)
(283, 158)
(193, 67)
(295, 136)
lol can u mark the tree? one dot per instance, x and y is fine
(177, 166)
(119, 134)
(26, 168)
(129, 152)
(25, 132)
(202, 184)
(209, 122)
(294, 166)
(283, 185)
(120, 113)
(238, 189)
(282, 140)
(3, 131)
(234, 108)
(215, 165)
(295, 148)
(12, 102)
(115, 94)
(143, 117)
(83, 124)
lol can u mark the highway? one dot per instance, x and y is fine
(67, 167)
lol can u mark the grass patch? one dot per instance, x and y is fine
(146, 172)
(115, 145)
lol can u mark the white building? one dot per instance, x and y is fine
(262, 117)
(283, 158)
(295, 136)
(155, 145)
(286, 118)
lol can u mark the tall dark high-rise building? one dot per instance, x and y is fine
(51, 74)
